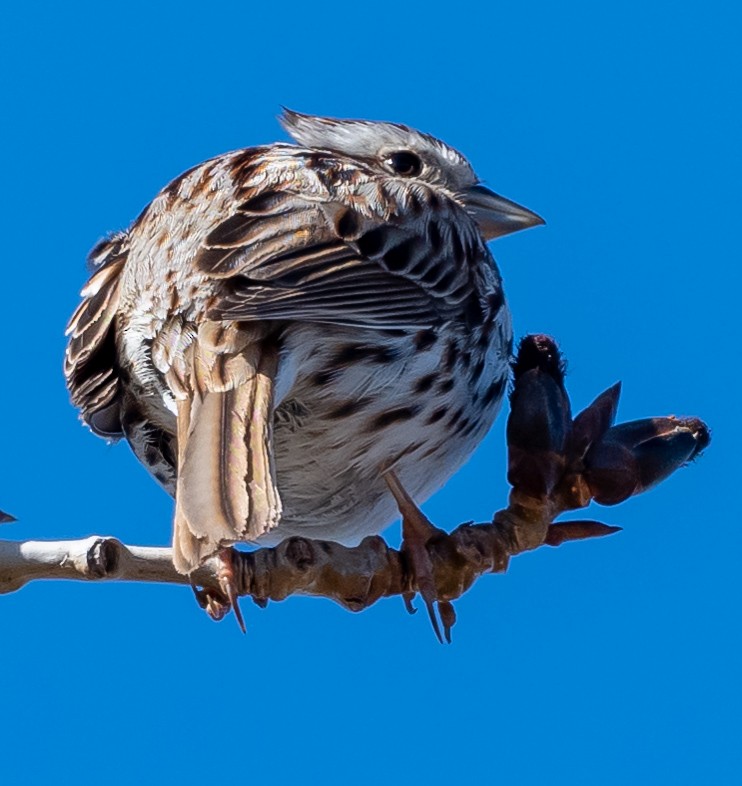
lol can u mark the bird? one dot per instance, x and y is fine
(284, 324)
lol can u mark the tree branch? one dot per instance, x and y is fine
(88, 559)
(556, 464)
(355, 577)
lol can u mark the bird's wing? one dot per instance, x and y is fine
(282, 255)
(90, 365)
(92, 371)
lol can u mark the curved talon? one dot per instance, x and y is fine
(407, 598)
(417, 530)
(430, 606)
(212, 601)
(217, 602)
(448, 617)
(229, 586)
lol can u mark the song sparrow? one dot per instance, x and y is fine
(284, 323)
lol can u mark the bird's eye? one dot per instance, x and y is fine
(404, 163)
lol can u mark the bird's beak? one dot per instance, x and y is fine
(497, 216)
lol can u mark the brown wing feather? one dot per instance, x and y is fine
(90, 365)
(282, 256)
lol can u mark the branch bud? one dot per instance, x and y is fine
(632, 457)
(540, 418)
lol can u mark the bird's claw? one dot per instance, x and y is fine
(420, 569)
(217, 602)
(213, 601)
(407, 598)
(417, 531)
(448, 618)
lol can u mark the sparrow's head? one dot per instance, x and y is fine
(403, 152)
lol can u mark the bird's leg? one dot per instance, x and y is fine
(218, 602)
(417, 530)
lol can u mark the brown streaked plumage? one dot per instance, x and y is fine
(283, 323)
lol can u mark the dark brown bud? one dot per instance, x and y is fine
(632, 457)
(540, 418)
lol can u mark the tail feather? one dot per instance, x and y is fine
(262, 490)
(226, 489)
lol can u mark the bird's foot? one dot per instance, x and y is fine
(218, 602)
(417, 530)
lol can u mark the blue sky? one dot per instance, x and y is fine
(611, 661)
